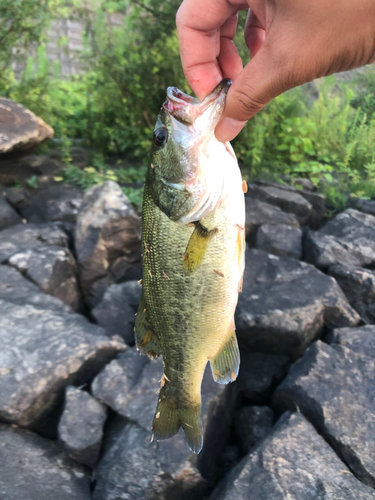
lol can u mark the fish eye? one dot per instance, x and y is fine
(160, 136)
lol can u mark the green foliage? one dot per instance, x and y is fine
(100, 173)
(33, 182)
(315, 141)
(127, 68)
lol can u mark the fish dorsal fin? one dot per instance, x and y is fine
(146, 340)
(197, 246)
(226, 364)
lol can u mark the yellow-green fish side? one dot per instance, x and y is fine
(192, 273)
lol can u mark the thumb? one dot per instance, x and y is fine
(260, 81)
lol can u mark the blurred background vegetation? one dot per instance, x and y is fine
(324, 131)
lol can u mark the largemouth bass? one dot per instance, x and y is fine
(193, 258)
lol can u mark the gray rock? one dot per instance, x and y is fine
(358, 284)
(348, 239)
(34, 468)
(108, 237)
(304, 184)
(15, 197)
(285, 304)
(129, 385)
(258, 213)
(292, 463)
(286, 201)
(26, 236)
(19, 290)
(8, 216)
(280, 239)
(258, 374)
(334, 389)
(367, 206)
(116, 311)
(251, 424)
(81, 426)
(41, 352)
(53, 269)
(59, 202)
(19, 127)
(135, 468)
(360, 340)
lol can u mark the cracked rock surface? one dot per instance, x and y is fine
(285, 304)
(34, 468)
(293, 462)
(108, 240)
(41, 352)
(334, 388)
(81, 426)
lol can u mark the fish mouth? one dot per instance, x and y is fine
(187, 109)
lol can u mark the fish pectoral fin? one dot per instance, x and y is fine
(145, 339)
(169, 417)
(197, 246)
(226, 364)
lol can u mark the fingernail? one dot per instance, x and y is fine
(228, 129)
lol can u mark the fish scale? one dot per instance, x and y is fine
(192, 267)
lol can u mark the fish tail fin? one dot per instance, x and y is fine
(226, 364)
(169, 417)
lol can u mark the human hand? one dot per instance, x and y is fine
(291, 42)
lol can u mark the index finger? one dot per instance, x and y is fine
(198, 31)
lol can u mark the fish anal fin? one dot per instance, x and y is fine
(197, 246)
(169, 417)
(146, 340)
(226, 364)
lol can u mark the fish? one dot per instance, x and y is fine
(193, 243)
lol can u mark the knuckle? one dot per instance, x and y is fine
(246, 103)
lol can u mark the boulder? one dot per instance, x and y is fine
(108, 239)
(53, 269)
(81, 426)
(20, 128)
(292, 463)
(34, 468)
(304, 184)
(8, 216)
(360, 340)
(129, 385)
(358, 284)
(367, 206)
(18, 290)
(251, 424)
(285, 304)
(23, 237)
(280, 239)
(15, 197)
(317, 201)
(136, 468)
(309, 208)
(259, 372)
(41, 352)
(116, 311)
(59, 202)
(348, 239)
(259, 213)
(26, 166)
(334, 389)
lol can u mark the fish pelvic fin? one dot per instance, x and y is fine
(226, 364)
(197, 246)
(146, 340)
(169, 417)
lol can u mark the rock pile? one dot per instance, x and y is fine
(77, 400)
